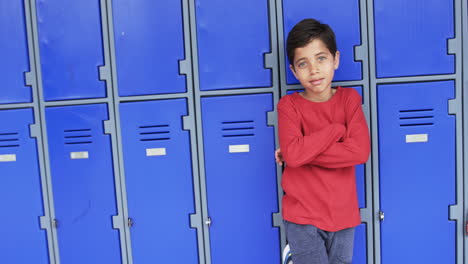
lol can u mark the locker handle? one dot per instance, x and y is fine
(130, 222)
(208, 222)
(55, 223)
(381, 216)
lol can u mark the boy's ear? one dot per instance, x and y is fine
(337, 60)
(292, 69)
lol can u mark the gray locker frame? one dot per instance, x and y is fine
(464, 22)
(270, 62)
(361, 53)
(188, 122)
(49, 221)
(35, 129)
(454, 47)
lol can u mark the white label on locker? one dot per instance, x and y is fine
(415, 138)
(239, 148)
(7, 157)
(156, 152)
(79, 155)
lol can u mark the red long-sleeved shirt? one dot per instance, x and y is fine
(321, 142)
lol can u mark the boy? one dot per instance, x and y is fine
(323, 134)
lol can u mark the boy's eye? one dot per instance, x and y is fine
(322, 58)
(301, 64)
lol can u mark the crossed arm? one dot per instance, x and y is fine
(335, 146)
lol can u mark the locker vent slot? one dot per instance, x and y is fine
(154, 133)
(9, 140)
(78, 136)
(416, 117)
(238, 128)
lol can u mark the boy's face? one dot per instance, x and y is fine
(314, 66)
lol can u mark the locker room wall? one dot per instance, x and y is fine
(144, 130)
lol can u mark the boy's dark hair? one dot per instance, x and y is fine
(306, 31)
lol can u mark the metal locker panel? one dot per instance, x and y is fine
(346, 25)
(411, 37)
(158, 172)
(233, 37)
(71, 49)
(14, 53)
(417, 172)
(360, 245)
(240, 178)
(20, 191)
(83, 184)
(148, 49)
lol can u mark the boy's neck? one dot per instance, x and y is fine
(318, 98)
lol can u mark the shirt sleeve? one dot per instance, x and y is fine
(298, 149)
(355, 147)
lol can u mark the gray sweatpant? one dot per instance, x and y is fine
(310, 245)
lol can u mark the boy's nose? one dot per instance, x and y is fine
(314, 69)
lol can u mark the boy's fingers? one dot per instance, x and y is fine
(278, 157)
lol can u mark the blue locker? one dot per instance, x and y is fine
(411, 37)
(417, 172)
(232, 38)
(14, 60)
(240, 178)
(71, 49)
(158, 172)
(346, 25)
(83, 184)
(148, 49)
(20, 191)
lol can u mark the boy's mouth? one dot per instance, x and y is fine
(316, 82)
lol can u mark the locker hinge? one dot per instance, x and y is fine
(466, 227)
(130, 222)
(381, 215)
(55, 223)
(208, 222)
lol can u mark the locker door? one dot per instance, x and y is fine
(14, 53)
(71, 50)
(83, 184)
(159, 181)
(232, 38)
(417, 172)
(346, 26)
(20, 191)
(240, 179)
(148, 49)
(411, 37)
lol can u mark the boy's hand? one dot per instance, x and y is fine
(279, 157)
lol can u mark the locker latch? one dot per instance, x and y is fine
(130, 222)
(381, 215)
(55, 223)
(208, 222)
